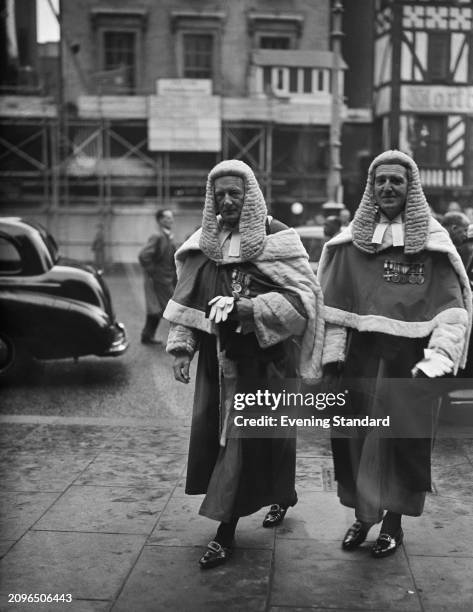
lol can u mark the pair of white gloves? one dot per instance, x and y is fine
(433, 364)
(221, 308)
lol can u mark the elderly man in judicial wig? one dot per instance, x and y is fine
(397, 305)
(248, 301)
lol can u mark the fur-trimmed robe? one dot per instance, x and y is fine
(446, 319)
(245, 474)
(378, 331)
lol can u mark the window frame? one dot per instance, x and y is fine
(287, 25)
(132, 20)
(131, 87)
(433, 54)
(212, 55)
(260, 35)
(205, 23)
(431, 161)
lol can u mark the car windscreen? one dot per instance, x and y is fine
(48, 241)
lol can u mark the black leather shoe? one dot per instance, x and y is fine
(275, 516)
(216, 554)
(355, 536)
(386, 544)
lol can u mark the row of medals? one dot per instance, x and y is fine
(397, 272)
(240, 282)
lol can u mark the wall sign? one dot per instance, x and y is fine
(437, 99)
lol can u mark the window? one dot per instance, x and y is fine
(275, 42)
(10, 260)
(198, 56)
(119, 39)
(274, 30)
(430, 141)
(439, 57)
(119, 56)
(198, 42)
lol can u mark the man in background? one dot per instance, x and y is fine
(456, 224)
(332, 226)
(345, 217)
(157, 260)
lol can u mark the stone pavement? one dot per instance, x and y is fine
(96, 508)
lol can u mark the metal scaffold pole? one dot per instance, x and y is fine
(334, 181)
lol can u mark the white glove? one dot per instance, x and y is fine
(434, 364)
(221, 307)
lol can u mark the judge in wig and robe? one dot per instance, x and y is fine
(248, 302)
(397, 305)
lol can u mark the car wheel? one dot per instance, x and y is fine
(12, 356)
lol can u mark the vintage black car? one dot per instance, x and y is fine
(51, 307)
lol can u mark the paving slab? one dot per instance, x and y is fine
(181, 525)
(310, 445)
(76, 605)
(318, 515)
(69, 437)
(42, 470)
(89, 566)
(19, 510)
(311, 473)
(445, 583)
(134, 469)
(444, 529)
(467, 446)
(180, 490)
(321, 575)
(448, 452)
(161, 441)
(13, 435)
(169, 578)
(106, 510)
(454, 481)
(5, 546)
(305, 608)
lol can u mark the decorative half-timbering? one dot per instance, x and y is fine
(423, 87)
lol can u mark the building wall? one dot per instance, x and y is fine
(160, 42)
(424, 92)
(294, 134)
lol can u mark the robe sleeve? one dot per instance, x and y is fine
(448, 338)
(182, 339)
(335, 340)
(276, 317)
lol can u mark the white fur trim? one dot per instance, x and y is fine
(181, 338)
(275, 319)
(393, 327)
(295, 274)
(190, 317)
(448, 339)
(334, 344)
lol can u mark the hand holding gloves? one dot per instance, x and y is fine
(221, 307)
(432, 365)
